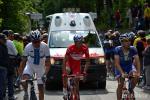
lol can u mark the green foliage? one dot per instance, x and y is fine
(12, 12)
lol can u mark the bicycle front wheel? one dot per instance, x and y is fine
(33, 96)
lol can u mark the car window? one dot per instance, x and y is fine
(60, 39)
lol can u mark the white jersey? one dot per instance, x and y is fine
(31, 54)
(43, 53)
(11, 48)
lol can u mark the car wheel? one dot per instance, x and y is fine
(102, 84)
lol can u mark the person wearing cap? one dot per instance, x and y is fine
(3, 65)
(12, 54)
(45, 38)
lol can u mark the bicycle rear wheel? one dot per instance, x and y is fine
(33, 96)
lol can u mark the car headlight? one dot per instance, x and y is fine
(56, 61)
(52, 61)
(99, 60)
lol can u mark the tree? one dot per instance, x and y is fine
(13, 14)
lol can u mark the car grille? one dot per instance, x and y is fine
(83, 61)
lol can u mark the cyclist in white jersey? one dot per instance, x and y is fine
(36, 59)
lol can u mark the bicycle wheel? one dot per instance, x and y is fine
(125, 95)
(132, 96)
(73, 96)
(33, 96)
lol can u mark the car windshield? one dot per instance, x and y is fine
(62, 39)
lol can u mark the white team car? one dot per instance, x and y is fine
(62, 28)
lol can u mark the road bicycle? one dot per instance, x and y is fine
(128, 92)
(73, 86)
(32, 88)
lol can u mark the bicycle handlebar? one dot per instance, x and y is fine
(29, 80)
(128, 76)
(80, 76)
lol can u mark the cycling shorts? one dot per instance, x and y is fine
(126, 70)
(73, 70)
(31, 69)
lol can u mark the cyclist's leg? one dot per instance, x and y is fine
(65, 82)
(39, 70)
(27, 73)
(77, 71)
(41, 91)
(134, 80)
(120, 84)
(107, 57)
(120, 87)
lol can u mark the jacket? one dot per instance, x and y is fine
(3, 56)
(146, 56)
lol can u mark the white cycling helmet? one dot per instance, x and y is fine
(35, 35)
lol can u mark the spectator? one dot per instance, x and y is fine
(12, 53)
(45, 38)
(3, 65)
(134, 14)
(129, 17)
(117, 18)
(18, 43)
(147, 16)
(146, 60)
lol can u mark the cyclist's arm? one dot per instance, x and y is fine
(87, 61)
(47, 65)
(47, 61)
(23, 60)
(137, 63)
(22, 64)
(64, 63)
(66, 59)
(117, 64)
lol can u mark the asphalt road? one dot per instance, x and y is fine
(93, 94)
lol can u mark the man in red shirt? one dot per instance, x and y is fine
(72, 60)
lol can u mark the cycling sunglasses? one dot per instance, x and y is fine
(125, 40)
(36, 41)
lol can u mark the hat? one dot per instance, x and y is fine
(6, 32)
(2, 36)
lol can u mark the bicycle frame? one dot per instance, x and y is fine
(73, 88)
(127, 92)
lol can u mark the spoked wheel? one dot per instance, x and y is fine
(132, 96)
(125, 96)
(73, 97)
(129, 97)
(33, 96)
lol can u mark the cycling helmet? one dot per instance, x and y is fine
(131, 35)
(16, 36)
(141, 33)
(77, 37)
(6, 32)
(123, 37)
(35, 35)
